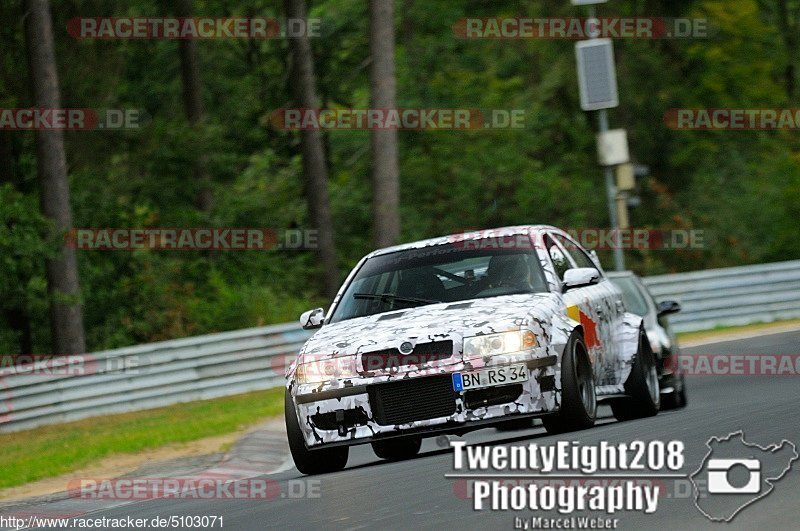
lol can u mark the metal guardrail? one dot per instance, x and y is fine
(732, 296)
(146, 376)
(195, 368)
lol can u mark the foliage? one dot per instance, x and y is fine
(742, 188)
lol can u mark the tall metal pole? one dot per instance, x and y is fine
(611, 188)
(611, 196)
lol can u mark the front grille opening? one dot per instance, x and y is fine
(492, 396)
(412, 400)
(547, 383)
(350, 419)
(423, 353)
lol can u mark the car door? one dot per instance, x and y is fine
(595, 307)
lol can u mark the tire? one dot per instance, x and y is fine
(644, 394)
(307, 461)
(397, 449)
(684, 397)
(677, 399)
(578, 394)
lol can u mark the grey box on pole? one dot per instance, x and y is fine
(597, 77)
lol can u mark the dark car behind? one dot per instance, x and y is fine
(640, 301)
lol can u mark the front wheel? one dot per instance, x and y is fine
(644, 394)
(578, 394)
(307, 461)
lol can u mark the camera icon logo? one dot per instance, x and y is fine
(719, 472)
(736, 473)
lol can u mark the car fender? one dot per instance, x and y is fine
(626, 335)
(562, 329)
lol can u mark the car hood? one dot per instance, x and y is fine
(435, 322)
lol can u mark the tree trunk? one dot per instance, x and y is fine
(788, 24)
(16, 316)
(193, 105)
(8, 167)
(66, 316)
(385, 166)
(315, 169)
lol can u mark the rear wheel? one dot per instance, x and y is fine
(676, 399)
(644, 394)
(578, 395)
(397, 449)
(310, 461)
(684, 399)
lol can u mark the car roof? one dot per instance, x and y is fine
(466, 235)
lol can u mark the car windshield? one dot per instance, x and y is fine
(632, 295)
(444, 273)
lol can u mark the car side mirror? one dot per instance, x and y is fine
(312, 319)
(580, 277)
(668, 307)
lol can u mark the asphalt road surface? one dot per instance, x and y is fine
(415, 493)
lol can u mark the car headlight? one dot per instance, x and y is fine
(495, 344)
(324, 370)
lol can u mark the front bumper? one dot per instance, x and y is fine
(367, 409)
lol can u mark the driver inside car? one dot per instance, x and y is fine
(421, 283)
(509, 271)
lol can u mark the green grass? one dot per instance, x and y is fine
(722, 330)
(51, 451)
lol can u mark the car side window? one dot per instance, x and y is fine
(557, 256)
(578, 255)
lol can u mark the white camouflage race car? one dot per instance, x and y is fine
(458, 333)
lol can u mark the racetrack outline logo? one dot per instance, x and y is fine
(719, 485)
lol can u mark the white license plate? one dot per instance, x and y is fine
(489, 377)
